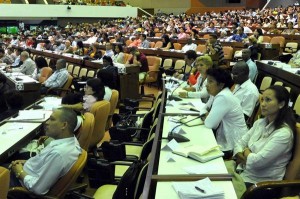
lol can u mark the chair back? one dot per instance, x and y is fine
(293, 169)
(152, 44)
(266, 39)
(278, 40)
(297, 105)
(91, 73)
(61, 187)
(127, 57)
(70, 68)
(167, 63)
(83, 72)
(278, 83)
(100, 111)
(177, 46)
(113, 105)
(206, 36)
(266, 83)
(76, 71)
(291, 47)
(4, 181)
(153, 64)
(158, 44)
(45, 74)
(179, 64)
(158, 34)
(228, 52)
(201, 48)
(140, 182)
(128, 42)
(85, 131)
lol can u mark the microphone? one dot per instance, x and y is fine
(171, 97)
(176, 136)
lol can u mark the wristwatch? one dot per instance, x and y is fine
(18, 174)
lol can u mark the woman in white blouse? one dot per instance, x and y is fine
(265, 150)
(203, 63)
(118, 56)
(225, 115)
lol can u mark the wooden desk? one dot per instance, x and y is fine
(161, 172)
(29, 88)
(15, 135)
(129, 82)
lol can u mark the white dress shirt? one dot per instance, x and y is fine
(226, 116)
(26, 68)
(54, 161)
(187, 47)
(201, 91)
(248, 95)
(271, 151)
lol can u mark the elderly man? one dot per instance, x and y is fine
(68, 48)
(28, 65)
(39, 173)
(58, 78)
(246, 56)
(244, 90)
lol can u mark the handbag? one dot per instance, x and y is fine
(113, 151)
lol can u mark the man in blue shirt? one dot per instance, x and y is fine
(246, 56)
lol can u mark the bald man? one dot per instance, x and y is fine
(28, 65)
(244, 90)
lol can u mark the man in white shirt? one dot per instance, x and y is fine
(189, 46)
(39, 173)
(108, 50)
(246, 56)
(28, 65)
(244, 90)
(145, 43)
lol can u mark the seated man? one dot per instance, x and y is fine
(246, 56)
(58, 78)
(4, 58)
(244, 90)
(28, 65)
(39, 173)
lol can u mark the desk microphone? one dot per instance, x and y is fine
(171, 97)
(177, 136)
(17, 77)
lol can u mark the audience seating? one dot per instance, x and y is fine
(60, 188)
(167, 63)
(128, 42)
(291, 47)
(266, 39)
(76, 70)
(177, 46)
(127, 57)
(70, 68)
(107, 191)
(91, 73)
(201, 48)
(206, 36)
(278, 83)
(152, 44)
(113, 105)
(152, 74)
(100, 110)
(64, 90)
(45, 74)
(179, 65)
(266, 83)
(158, 44)
(297, 105)
(290, 186)
(83, 72)
(84, 134)
(278, 40)
(4, 182)
(288, 89)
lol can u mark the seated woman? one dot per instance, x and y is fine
(94, 91)
(226, 116)
(109, 81)
(118, 56)
(258, 34)
(40, 64)
(79, 49)
(203, 63)
(167, 44)
(94, 52)
(290, 30)
(111, 71)
(265, 150)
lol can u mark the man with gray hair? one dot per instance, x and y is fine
(28, 65)
(246, 92)
(58, 78)
(246, 56)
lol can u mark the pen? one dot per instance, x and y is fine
(199, 189)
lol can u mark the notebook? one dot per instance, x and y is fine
(199, 153)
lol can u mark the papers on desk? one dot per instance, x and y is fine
(32, 115)
(198, 189)
(24, 79)
(51, 103)
(200, 153)
(203, 168)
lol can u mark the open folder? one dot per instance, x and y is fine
(199, 153)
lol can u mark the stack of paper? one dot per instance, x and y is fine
(199, 189)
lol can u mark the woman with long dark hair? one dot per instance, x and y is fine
(265, 150)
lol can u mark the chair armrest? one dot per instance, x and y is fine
(133, 143)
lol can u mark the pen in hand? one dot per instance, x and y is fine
(199, 189)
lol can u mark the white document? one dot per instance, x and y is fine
(171, 146)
